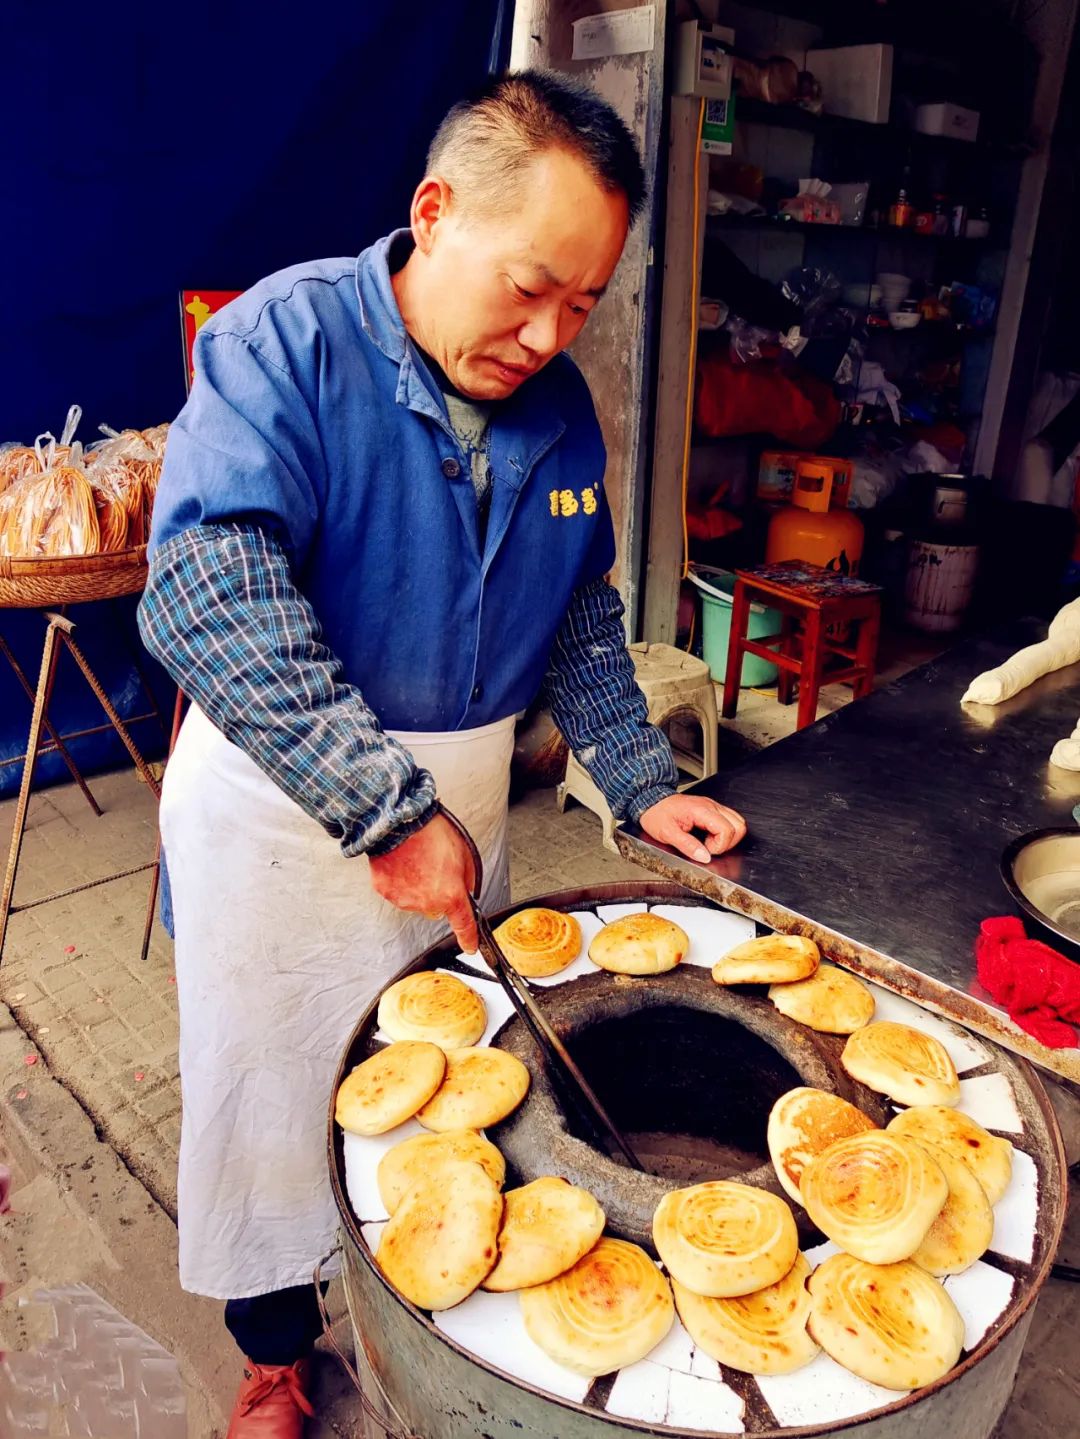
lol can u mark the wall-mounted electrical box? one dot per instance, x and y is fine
(703, 60)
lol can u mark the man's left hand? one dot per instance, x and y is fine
(671, 821)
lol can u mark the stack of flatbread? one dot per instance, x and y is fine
(908, 1205)
(821, 996)
(740, 1282)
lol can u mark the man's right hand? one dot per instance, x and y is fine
(431, 873)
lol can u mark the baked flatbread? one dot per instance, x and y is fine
(804, 1122)
(540, 942)
(440, 1242)
(609, 1311)
(438, 1008)
(547, 1227)
(874, 1194)
(907, 1065)
(722, 1239)
(389, 1087)
(987, 1156)
(891, 1324)
(424, 1154)
(762, 1333)
(769, 959)
(481, 1087)
(962, 1231)
(831, 1001)
(639, 944)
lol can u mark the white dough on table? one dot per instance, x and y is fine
(982, 1295)
(1066, 753)
(1061, 647)
(712, 932)
(491, 1327)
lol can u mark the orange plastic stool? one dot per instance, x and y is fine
(811, 601)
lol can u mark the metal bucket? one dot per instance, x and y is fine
(441, 1390)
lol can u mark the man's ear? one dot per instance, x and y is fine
(430, 205)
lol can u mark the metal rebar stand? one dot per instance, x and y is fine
(59, 633)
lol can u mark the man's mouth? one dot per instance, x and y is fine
(514, 372)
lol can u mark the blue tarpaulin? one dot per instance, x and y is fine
(157, 148)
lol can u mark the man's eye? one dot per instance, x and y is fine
(525, 294)
(578, 310)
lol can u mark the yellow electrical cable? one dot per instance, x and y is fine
(691, 369)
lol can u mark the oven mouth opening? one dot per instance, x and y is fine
(690, 1090)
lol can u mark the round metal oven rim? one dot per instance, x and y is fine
(652, 892)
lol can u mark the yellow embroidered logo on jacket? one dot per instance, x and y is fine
(566, 502)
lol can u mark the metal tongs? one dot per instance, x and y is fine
(575, 1088)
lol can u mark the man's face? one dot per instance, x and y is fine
(503, 294)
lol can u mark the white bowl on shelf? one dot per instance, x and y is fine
(904, 319)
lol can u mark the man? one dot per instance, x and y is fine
(381, 528)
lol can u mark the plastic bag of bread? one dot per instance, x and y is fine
(128, 465)
(50, 514)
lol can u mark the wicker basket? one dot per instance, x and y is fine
(71, 580)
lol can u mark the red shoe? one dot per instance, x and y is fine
(272, 1402)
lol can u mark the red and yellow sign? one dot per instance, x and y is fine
(196, 307)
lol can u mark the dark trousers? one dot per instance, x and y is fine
(277, 1328)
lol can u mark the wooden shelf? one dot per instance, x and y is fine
(715, 225)
(792, 117)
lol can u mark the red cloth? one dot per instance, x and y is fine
(764, 397)
(1039, 987)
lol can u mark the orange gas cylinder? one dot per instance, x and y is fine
(808, 529)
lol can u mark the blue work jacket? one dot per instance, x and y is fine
(313, 413)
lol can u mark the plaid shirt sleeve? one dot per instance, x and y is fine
(222, 614)
(596, 703)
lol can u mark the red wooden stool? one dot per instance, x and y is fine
(813, 601)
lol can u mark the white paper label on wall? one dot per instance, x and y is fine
(621, 32)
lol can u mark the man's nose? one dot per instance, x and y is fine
(540, 333)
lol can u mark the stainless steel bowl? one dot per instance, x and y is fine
(1041, 871)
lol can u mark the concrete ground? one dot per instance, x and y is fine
(90, 1107)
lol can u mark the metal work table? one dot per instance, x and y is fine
(878, 830)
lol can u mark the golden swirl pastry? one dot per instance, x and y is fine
(438, 1008)
(962, 1231)
(639, 944)
(907, 1065)
(610, 1310)
(804, 1122)
(422, 1155)
(762, 1333)
(389, 1087)
(547, 1227)
(987, 1156)
(769, 959)
(722, 1239)
(441, 1240)
(891, 1324)
(831, 1001)
(874, 1194)
(481, 1087)
(539, 942)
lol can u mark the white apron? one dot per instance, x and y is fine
(281, 943)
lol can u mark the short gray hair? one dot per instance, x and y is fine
(486, 141)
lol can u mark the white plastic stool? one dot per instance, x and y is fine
(676, 685)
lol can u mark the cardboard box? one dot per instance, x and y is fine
(945, 118)
(856, 81)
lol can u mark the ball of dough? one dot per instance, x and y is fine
(722, 1239)
(769, 959)
(481, 1087)
(987, 1156)
(907, 1065)
(962, 1231)
(438, 1008)
(802, 1124)
(539, 942)
(761, 1333)
(424, 1154)
(830, 1001)
(547, 1227)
